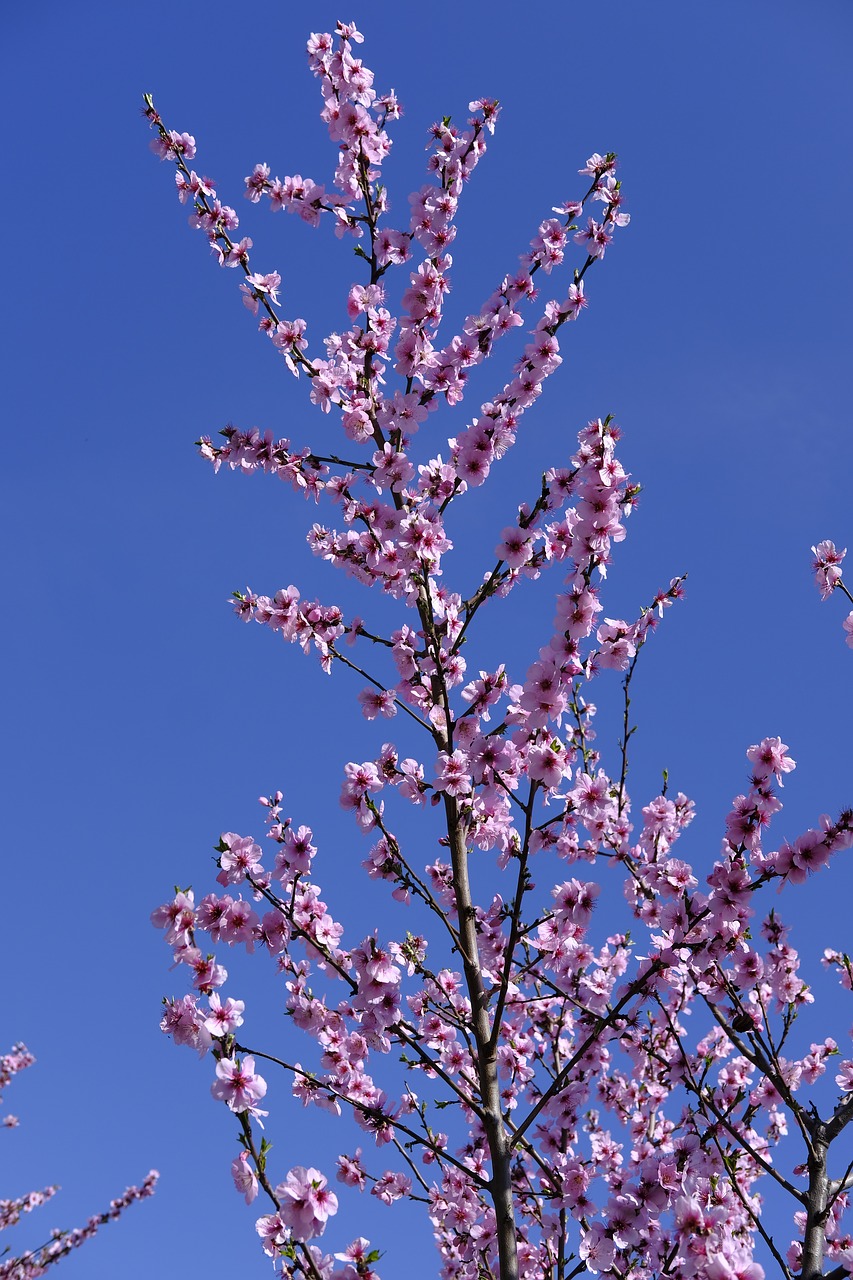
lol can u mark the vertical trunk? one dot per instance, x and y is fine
(814, 1244)
(487, 1066)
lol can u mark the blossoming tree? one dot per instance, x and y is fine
(34, 1262)
(554, 1114)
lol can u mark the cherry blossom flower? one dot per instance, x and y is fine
(844, 1078)
(827, 567)
(225, 1018)
(237, 1085)
(245, 1178)
(306, 1204)
(847, 624)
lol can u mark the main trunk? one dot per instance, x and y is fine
(814, 1244)
(487, 1064)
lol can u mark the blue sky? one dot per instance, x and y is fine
(144, 720)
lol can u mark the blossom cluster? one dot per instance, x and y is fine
(34, 1262)
(827, 571)
(17, 1059)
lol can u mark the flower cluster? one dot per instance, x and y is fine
(18, 1059)
(827, 571)
(34, 1262)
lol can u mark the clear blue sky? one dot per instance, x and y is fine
(143, 719)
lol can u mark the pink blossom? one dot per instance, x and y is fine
(814, 1063)
(360, 780)
(224, 1018)
(237, 1085)
(350, 1171)
(239, 856)
(207, 974)
(391, 1186)
(297, 851)
(306, 1204)
(185, 1023)
(452, 773)
(617, 644)
(844, 1078)
(547, 763)
(271, 1229)
(245, 1178)
(514, 547)
(597, 1250)
(411, 783)
(827, 567)
(769, 758)
(177, 918)
(576, 301)
(594, 239)
(808, 853)
(176, 144)
(596, 166)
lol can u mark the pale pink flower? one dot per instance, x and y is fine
(224, 1018)
(245, 1178)
(769, 758)
(597, 1249)
(298, 849)
(452, 773)
(844, 1079)
(514, 547)
(356, 1252)
(350, 1171)
(827, 567)
(306, 1204)
(184, 1022)
(239, 857)
(376, 702)
(237, 1085)
(617, 645)
(392, 1186)
(576, 301)
(847, 624)
(596, 166)
(271, 1229)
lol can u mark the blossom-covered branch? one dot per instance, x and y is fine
(32, 1263)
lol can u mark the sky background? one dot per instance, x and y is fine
(143, 719)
